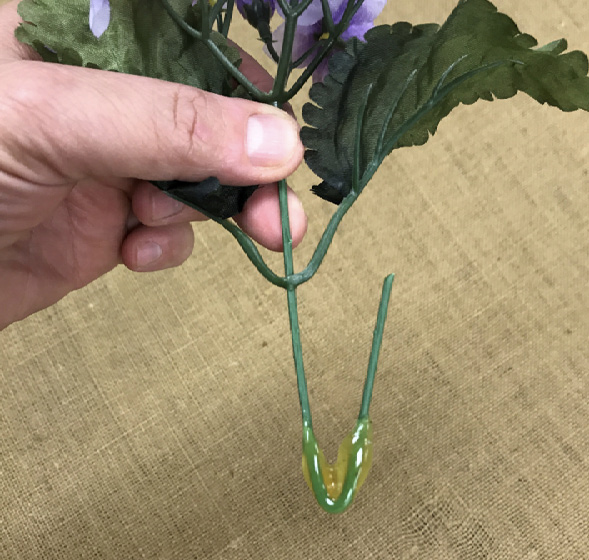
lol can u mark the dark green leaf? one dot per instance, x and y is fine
(418, 75)
(219, 200)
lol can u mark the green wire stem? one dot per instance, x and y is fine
(283, 70)
(293, 316)
(205, 30)
(356, 451)
(215, 13)
(327, 17)
(351, 8)
(253, 254)
(227, 19)
(376, 344)
(334, 487)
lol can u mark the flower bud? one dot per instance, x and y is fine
(257, 12)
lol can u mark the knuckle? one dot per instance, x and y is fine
(188, 123)
(199, 131)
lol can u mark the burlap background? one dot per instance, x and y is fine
(156, 416)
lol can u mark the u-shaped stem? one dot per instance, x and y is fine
(334, 487)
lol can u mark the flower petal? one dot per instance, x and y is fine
(99, 17)
(369, 11)
(314, 12)
(357, 29)
(304, 39)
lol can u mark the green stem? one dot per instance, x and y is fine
(253, 254)
(298, 278)
(305, 55)
(216, 12)
(324, 243)
(273, 53)
(293, 316)
(284, 67)
(227, 19)
(205, 29)
(285, 7)
(327, 17)
(356, 449)
(287, 10)
(376, 343)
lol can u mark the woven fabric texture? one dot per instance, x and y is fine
(156, 416)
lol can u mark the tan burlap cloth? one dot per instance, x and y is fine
(156, 416)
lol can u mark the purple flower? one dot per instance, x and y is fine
(99, 16)
(310, 29)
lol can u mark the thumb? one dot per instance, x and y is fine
(67, 123)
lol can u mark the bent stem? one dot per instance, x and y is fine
(291, 279)
(334, 486)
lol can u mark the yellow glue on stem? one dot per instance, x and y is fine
(334, 486)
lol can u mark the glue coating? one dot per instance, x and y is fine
(335, 486)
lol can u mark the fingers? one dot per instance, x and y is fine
(147, 249)
(155, 208)
(260, 218)
(137, 127)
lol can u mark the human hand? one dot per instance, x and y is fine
(77, 147)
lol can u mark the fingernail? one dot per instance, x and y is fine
(148, 253)
(270, 139)
(162, 208)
